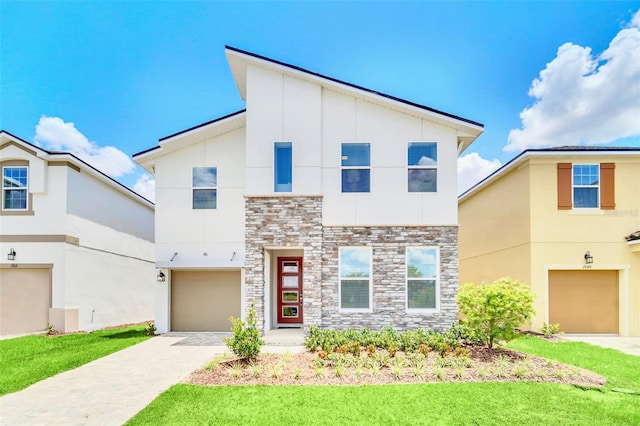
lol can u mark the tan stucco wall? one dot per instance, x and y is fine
(519, 209)
(494, 231)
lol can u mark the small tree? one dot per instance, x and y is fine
(494, 311)
(246, 341)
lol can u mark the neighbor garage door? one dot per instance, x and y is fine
(204, 300)
(584, 301)
(25, 299)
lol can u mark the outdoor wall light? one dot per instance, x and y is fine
(161, 277)
(588, 258)
(11, 255)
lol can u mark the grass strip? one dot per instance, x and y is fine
(621, 370)
(445, 403)
(29, 359)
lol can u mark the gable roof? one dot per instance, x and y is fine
(239, 60)
(6, 138)
(558, 151)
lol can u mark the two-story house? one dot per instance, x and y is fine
(76, 246)
(557, 219)
(323, 203)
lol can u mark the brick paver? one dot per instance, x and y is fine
(107, 391)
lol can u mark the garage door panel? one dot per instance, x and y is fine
(25, 299)
(204, 300)
(584, 301)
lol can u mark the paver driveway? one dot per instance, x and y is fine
(109, 390)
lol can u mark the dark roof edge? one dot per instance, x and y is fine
(30, 144)
(198, 126)
(355, 86)
(81, 161)
(558, 149)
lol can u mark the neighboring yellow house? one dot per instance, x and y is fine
(557, 219)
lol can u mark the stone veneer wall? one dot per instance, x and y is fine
(296, 221)
(389, 245)
(284, 221)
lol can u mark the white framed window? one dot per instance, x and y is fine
(423, 279)
(282, 167)
(356, 167)
(15, 188)
(205, 188)
(354, 271)
(422, 167)
(586, 186)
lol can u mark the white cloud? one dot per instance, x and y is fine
(54, 134)
(472, 168)
(146, 186)
(582, 99)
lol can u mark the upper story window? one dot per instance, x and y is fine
(422, 162)
(423, 286)
(15, 188)
(586, 185)
(205, 187)
(282, 167)
(356, 167)
(355, 278)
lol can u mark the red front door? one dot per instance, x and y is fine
(290, 290)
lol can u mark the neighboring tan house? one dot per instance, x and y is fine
(76, 246)
(558, 219)
(322, 203)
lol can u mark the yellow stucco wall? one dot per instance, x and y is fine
(512, 227)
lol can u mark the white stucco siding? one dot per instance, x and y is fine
(283, 109)
(389, 132)
(107, 289)
(95, 200)
(191, 232)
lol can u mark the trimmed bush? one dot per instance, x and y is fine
(246, 341)
(494, 311)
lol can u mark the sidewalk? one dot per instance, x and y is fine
(109, 390)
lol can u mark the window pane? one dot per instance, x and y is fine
(422, 154)
(354, 262)
(421, 263)
(356, 180)
(585, 197)
(15, 199)
(421, 294)
(585, 174)
(354, 294)
(204, 198)
(14, 177)
(282, 167)
(205, 177)
(423, 180)
(355, 154)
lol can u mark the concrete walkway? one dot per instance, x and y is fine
(629, 345)
(112, 389)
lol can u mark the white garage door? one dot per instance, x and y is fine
(25, 299)
(204, 300)
(584, 301)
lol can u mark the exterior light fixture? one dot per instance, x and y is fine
(11, 255)
(588, 259)
(161, 277)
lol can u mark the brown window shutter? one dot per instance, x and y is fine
(607, 186)
(564, 186)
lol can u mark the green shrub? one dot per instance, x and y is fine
(494, 311)
(550, 330)
(150, 329)
(246, 341)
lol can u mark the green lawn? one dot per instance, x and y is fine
(29, 359)
(445, 403)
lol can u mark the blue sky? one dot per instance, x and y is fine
(108, 79)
